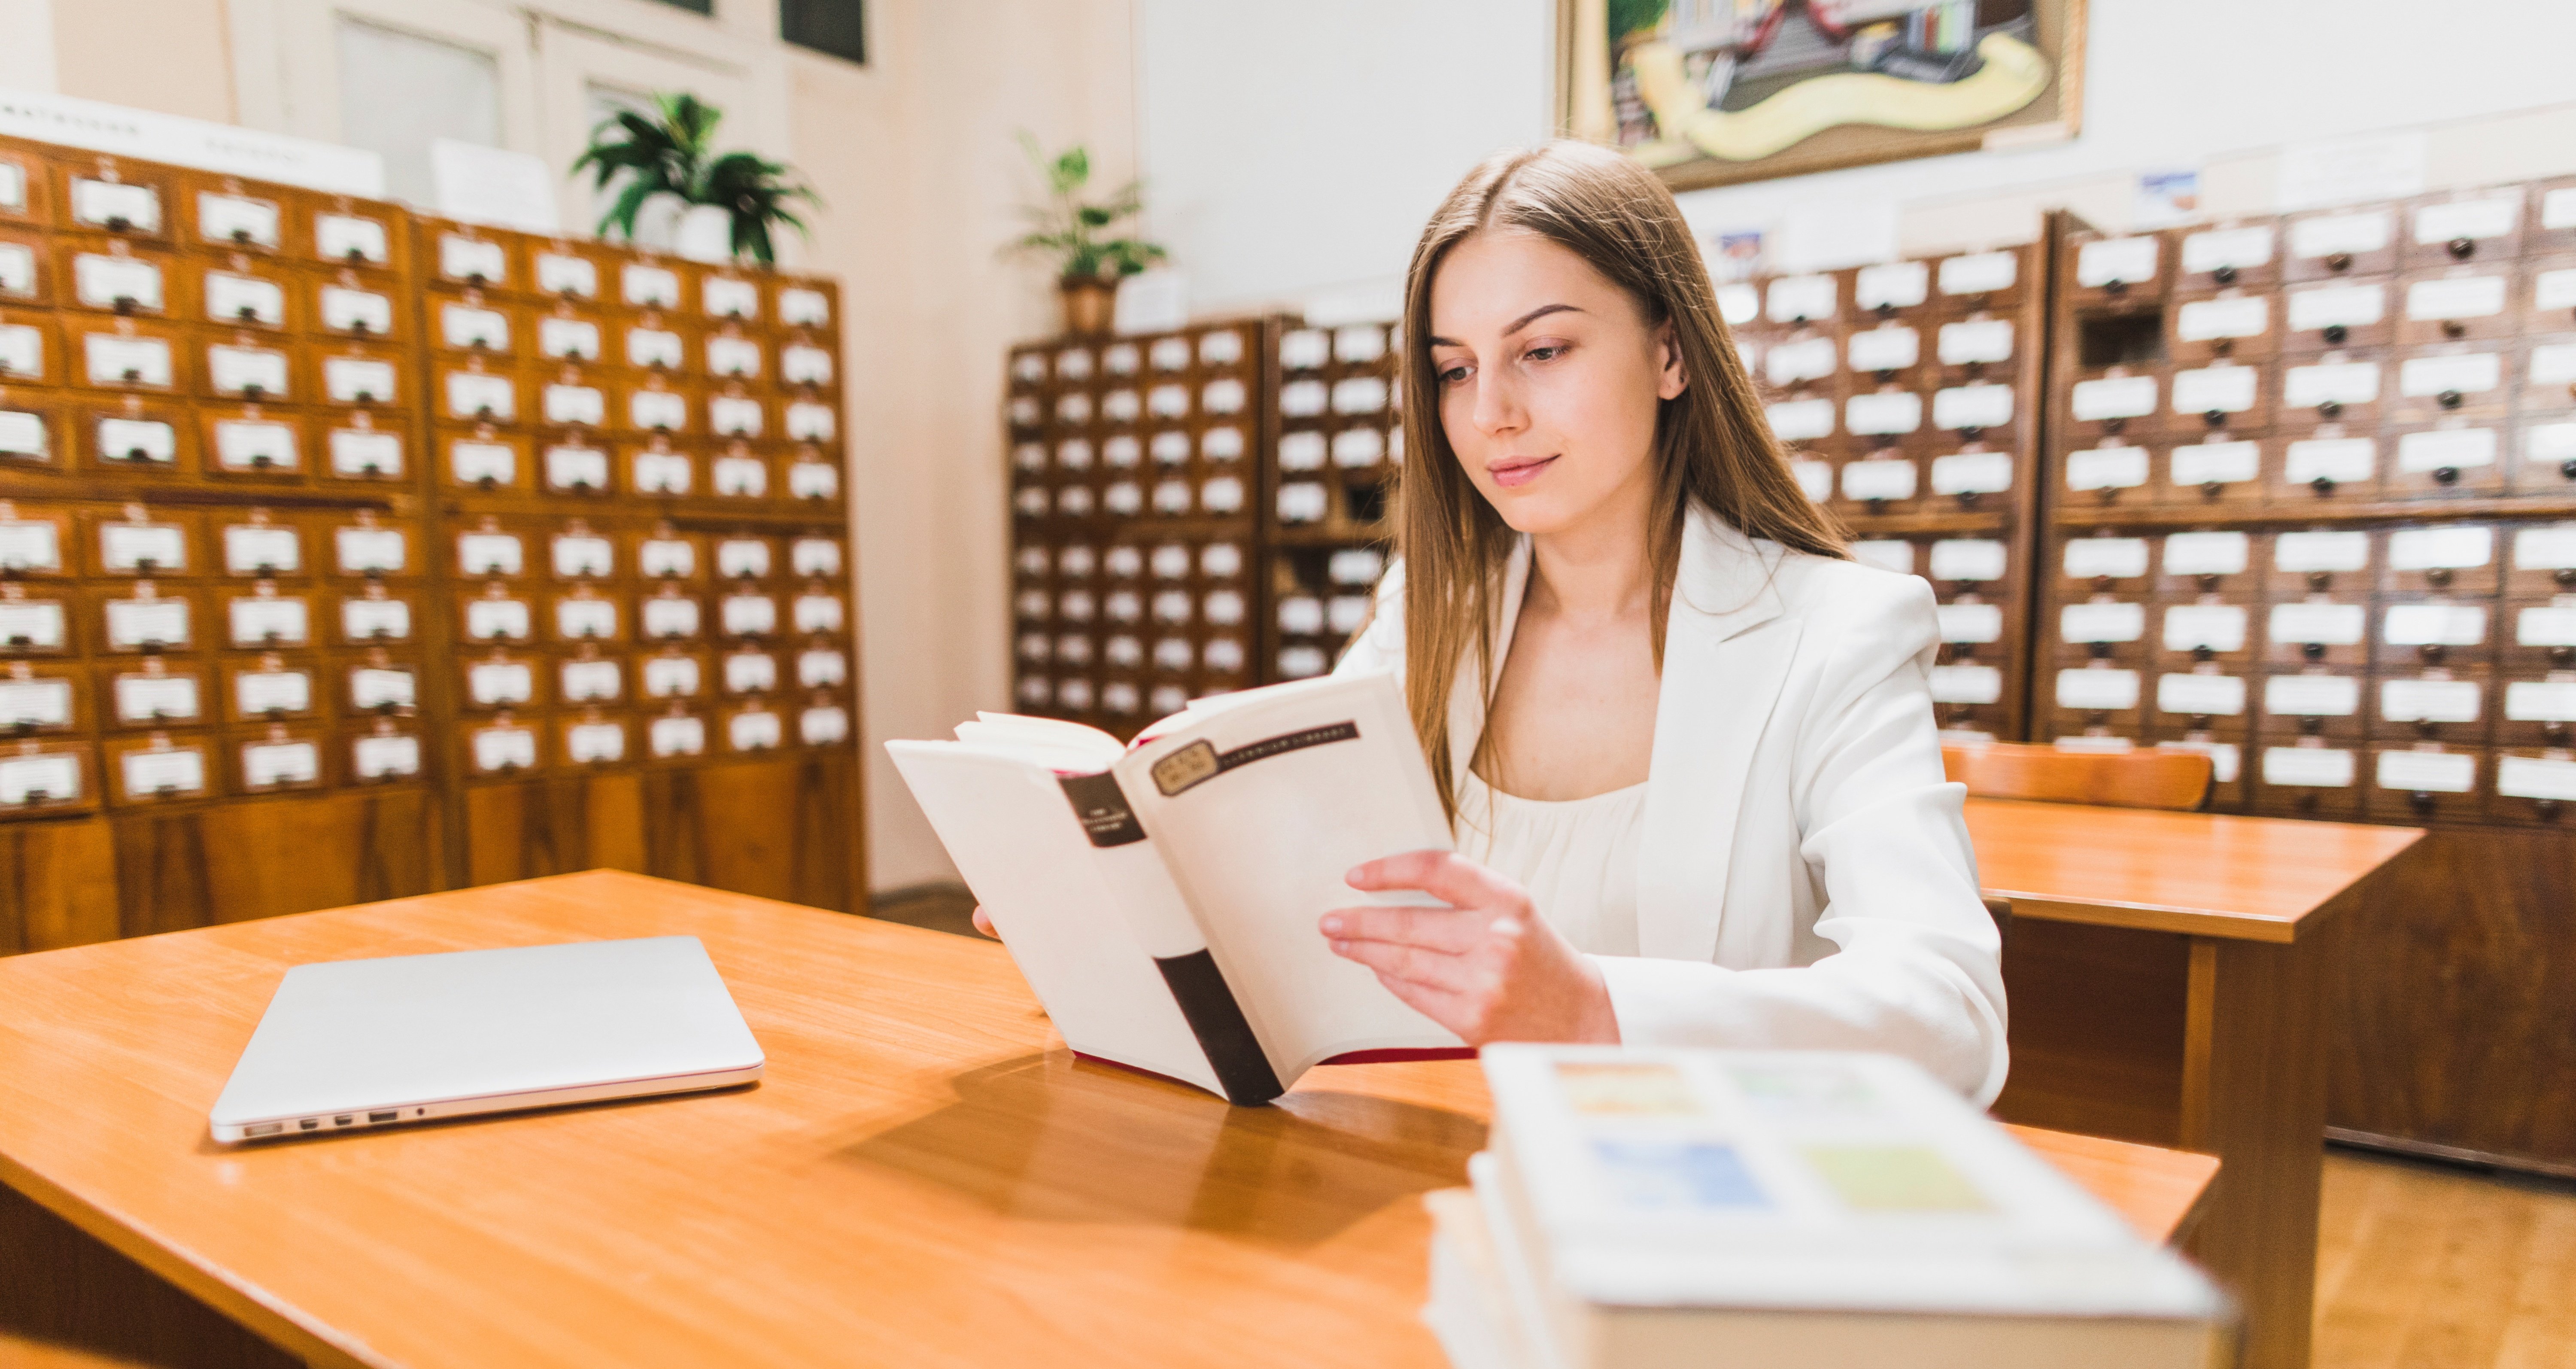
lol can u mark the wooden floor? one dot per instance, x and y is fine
(2423, 1266)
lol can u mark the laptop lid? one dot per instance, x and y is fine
(357, 1043)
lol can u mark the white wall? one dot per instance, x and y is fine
(1294, 150)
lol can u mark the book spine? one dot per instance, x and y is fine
(1162, 921)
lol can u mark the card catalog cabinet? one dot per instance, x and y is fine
(274, 466)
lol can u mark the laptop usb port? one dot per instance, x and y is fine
(308, 1124)
(384, 1116)
(264, 1129)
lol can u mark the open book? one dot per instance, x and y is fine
(1162, 897)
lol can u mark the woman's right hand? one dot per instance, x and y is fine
(985, 924)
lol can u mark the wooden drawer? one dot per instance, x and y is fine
(2334, 243)
(2428, 783)
(2450, 707)
(2229, 254)
(2291, 779)
(2458, 226)
(129, 199)
(2223, 325)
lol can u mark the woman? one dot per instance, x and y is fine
(1698, 792)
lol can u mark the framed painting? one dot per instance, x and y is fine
(1714, 92)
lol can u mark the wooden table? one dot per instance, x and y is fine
(926, 1177)
(2165, 972)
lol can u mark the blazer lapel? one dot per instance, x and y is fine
(1467, 699)
(1726, 654)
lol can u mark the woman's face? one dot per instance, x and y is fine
(1549, 381)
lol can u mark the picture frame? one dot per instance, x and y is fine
(1720, 92)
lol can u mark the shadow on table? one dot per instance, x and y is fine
(1054, 1138)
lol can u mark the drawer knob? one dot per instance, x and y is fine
(2432, 652)
(2216, 418)
(2208, 583)
(2211, 489)
(2101, 650)
(2203, 652)
(2421, 802)
(118, 223)
(2199, 722)
(2565, 576)
(1884, 375)
(2314, 651)
(1876, 506)
(2109, 425)
(2115, 287)
(2306, 802)
(2446, 475)
(355, 256)
(2556, 731)
(2332, 408)
(1968, 498)
(2335, 333)
(2448, 399)
(2101, 584)
(2096, 719)
(2340, 261)
(2323, 485)
(2312, 723)
(2567, 468)
(1963, 651)
(247, 314)
(1886, 310)
(2424, 727)
(2224, 346)
(2319, 579)
(2452, 327)
(2545, 809)
(2461, 248)
(2225, 275)
(2439, 576)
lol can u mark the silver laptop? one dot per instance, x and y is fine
(372, 1043)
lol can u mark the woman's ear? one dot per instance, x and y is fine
(1671, 379)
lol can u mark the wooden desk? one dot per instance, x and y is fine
(2164, 972)
(925, 1177)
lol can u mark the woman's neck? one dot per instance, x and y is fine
(1596, 570)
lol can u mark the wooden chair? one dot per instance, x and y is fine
(2116, 779)
(2177, 780)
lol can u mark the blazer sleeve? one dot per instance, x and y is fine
(1918, 967)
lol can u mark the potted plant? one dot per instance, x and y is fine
(1071, 230)
(734, 200)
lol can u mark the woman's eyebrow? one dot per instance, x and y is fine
(1518, 324)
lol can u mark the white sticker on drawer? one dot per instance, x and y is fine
(22, 352)
(588, 743)
(810, 422)
(1893, 285)
(2553, 366)
(2215, 463)
(29, 546)
(35, 703)
(1869, 480)
(2097, 690)
(652, 348)
(2215, 627)
(1795, 299)
(670, 618)
(733, 356)
(2117, 558)
(2107, 468)
(558, 274)
(253, 371)
(501, 682)
(2312, 696)
(267, 622)
(469, 259)
(2341, 382)
(2446, 449)
(1967, 684)
(24, 624)
(2433, 625)
(1976, 341)
(1972, 622)
(576, 556)
(2207, 553)
(2233, 316)
(2329, 624)
(2553, 290)
(352, 380)
(2226, 247)
(488, 553)
(2455, 297)
(2123, 261)
(2455, 548)
(380, 688)
(247, 446)
(164, 772)
(365, 550)
(1972, 473)
(475, 462)
(2311, 767)
(658, 409)
(2527, 777)
(244, 299)
(1968, 558)
(1807, 359)
(473, 395)
(2492, 217)
(728, 297)
(2551, 546)
(2113, 397)
(1799, 420)
(2337, 306)
(1737, 304)
(1979, 273)
(273, 691)
(2545, 627)
(2437, 701)
(23, 434)
(804, 308)
(2341, 460)
(253, 549)
(2353, 234)
(650, 287)
(504, 748)
(2437, 772)
(1815, 478)
(568, 339)
(2540, 701)
(1964, 407)
(466, 326)
(2201, 696)
(118, 283)
(155, 698)
(590, 681)
(2215, 389)
(127, 361)
(141, 546)
(2301, 552)
(1887, 412)
(2467, 373)
(2102, 622)
(17, 269)
(576, 468)
(344, 237)
(135, 623)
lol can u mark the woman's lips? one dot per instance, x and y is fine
(1519, 470)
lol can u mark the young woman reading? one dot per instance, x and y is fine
(1686, 744)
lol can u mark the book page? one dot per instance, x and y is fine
(1260, 808)
(1007, 824)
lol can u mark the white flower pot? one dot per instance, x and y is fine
(705, 233)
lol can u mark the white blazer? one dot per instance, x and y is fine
(1804, 876)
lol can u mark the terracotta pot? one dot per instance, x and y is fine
(1089, 304)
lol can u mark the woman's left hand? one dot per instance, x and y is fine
(1487, 967)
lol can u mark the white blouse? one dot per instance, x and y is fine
(1576, 857)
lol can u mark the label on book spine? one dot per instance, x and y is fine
(1102, 809)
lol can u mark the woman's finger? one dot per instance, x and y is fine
(1445, 875)
(1439, 1005)
(985, 924)
(1449, 930)
(1412, 964)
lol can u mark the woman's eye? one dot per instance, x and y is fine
(1547, 353)
(1453, 375)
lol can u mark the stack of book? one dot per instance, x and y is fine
(1751, 1208)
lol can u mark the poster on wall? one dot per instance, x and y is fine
(1715, 92)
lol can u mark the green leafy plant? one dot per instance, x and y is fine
(1071, 229)
(674, 154)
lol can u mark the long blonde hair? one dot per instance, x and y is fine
(1713, 444)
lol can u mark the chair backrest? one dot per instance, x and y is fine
(2147, 778)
